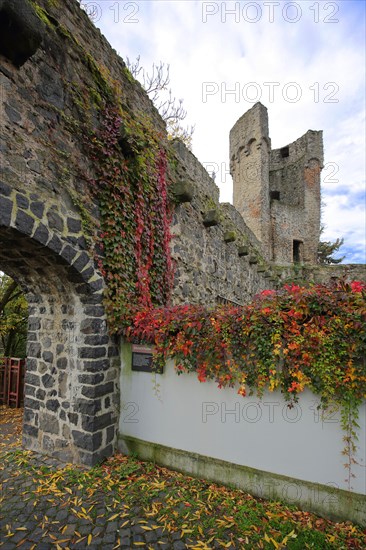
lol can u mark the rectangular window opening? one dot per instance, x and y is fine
(297, 251)
(275, 195)
(285, 151)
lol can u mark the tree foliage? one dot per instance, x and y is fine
(327, 249)
(156, 84)
(13, 318)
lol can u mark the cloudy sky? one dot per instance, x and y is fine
(304, 60)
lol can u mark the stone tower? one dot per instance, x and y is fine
(250, 148)
(277, 192)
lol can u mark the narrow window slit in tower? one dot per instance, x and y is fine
(274, 195)
(296, 251)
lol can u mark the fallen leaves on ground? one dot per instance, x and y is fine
(128, 492)
(10, 427)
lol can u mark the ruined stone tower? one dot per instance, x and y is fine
(277, 192)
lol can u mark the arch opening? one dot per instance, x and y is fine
(70, 395)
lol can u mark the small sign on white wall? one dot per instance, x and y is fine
(142, 359)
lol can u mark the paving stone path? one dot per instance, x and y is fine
(32, 521)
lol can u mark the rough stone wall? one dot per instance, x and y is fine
(249, 166)
(324, 274)
(277, 192)
(217, 257)
(295, 204)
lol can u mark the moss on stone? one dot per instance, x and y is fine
(42, 15)
(229, 236)
(129, 75)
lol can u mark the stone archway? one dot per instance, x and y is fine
(70, 382)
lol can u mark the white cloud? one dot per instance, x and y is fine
(325, 59)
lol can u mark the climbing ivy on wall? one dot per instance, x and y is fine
(129, 159)
(290, 339)
(132, 191)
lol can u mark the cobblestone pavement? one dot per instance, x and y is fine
(38, 522)
(127, 504)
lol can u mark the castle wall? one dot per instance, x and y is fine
(249, 167)
(295, 199)
(215, 262)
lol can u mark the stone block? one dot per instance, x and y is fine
(96, 285)
(81, 261)
(48, 444)
(96, 366)
(22, 201)
(92, 352)
(47, 356)
(93, 326)
(94, 423)
(21, 31)
(229, 236)
(55, 221)
(111, 431)
(91, 299)
(24, 222)
(73, 418)
(88, 273)
(48, 381)
(183, 191)
(32, 364)
(49, 423)
(89, 442)
(98, 391)
(91, 379)
(34, 323)
(62, 363)
(113, 351)
(29, 417)
(73, 225)
(92, 459)
(37, 208)
(29, 390)
(96, 340)
(41, 234)
(52, 405)
(94, 311)
(88, 407)
(55, 244)
(13, 115)
(32, 379)
(31, 403)
(68, 253)
(30, 430)
(6, 207)
(34, 349)
(5, 189)
(211, 218)
(243, 251)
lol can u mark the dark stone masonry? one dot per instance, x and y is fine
(48, 53)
